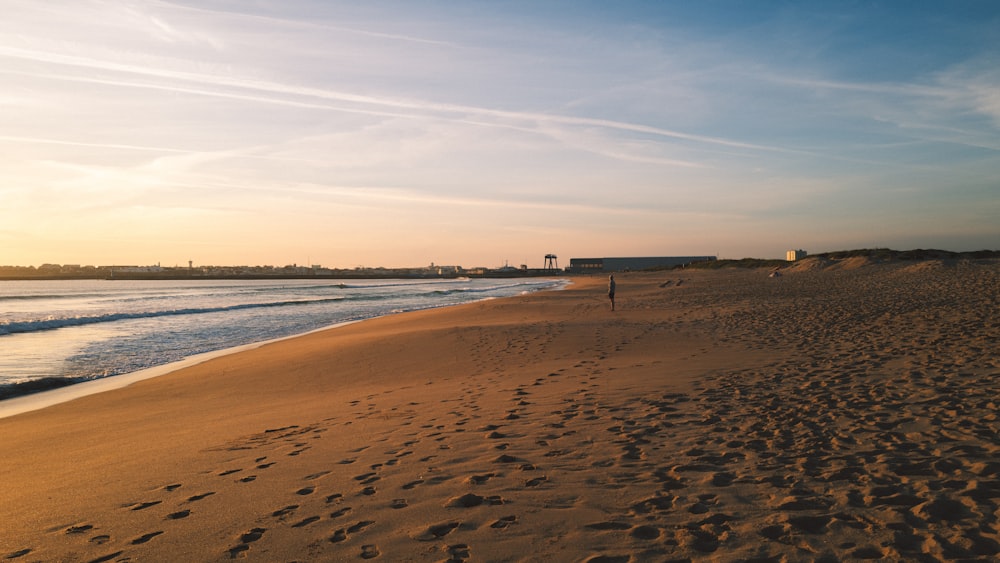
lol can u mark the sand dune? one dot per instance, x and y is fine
(827, 415)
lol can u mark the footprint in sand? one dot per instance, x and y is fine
(656, 503)
(698, 508)
(810, 524)
(705, 541)
(201, 496)
(645, 532)
(399, 503)
(723, 479)
(305, 522)
(361, 525)
(305, 491)
(437, 531)
(343, 534)
(282, 512)
(245, 540)
(369, 551)
(178, 515)
(775, 532)
(79, 529)
(459, 552)
(253, 535)
(146, 537)
(609, 559)
(480, 479)
(536, 481)
(705, 501)
(609, 526)
(504, 523)
(470, 500)
(341, 512)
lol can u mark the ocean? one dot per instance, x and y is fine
(57, 333)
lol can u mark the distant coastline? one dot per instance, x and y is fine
(20, 273)
(295, 272)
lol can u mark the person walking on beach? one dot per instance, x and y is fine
(611, 291)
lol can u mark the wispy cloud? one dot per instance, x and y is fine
(116, 146)
(907, 90)
(294, 94)
(936, 109)
(303, 24)
(379, 197)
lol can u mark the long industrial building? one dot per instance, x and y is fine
(597, 265)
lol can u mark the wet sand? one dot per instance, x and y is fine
(843, 411)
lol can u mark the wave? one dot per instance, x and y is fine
(409, 283)
(141, 293)
(10, 390)
(52, 324)
(48, 296)
(529, 286)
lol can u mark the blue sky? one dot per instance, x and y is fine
(474, 133)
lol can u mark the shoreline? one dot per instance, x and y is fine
(41, 399)
(824, 415)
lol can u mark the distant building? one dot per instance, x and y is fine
(136, 269)
(793, 255)
(446, 270)
(597, 265)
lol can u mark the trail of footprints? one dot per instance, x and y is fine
(786, 458)
(175, 502)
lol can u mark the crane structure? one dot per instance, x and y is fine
(551, 262)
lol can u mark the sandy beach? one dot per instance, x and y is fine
(843, 411)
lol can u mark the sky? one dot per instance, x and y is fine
(399, 134)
